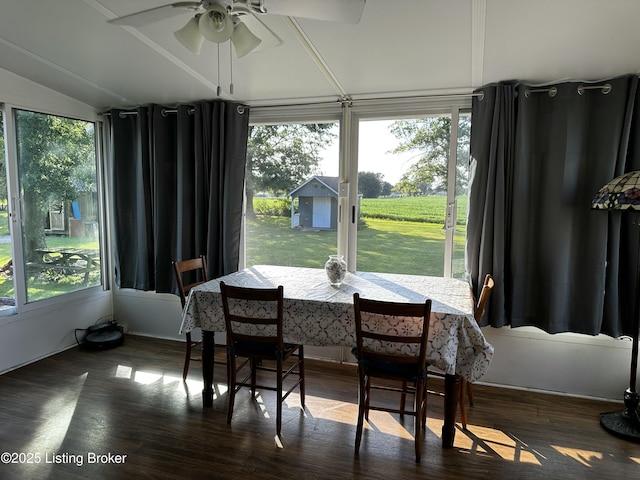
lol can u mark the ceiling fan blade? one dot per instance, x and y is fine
(145, 17)
(346, 11)
(260, 30)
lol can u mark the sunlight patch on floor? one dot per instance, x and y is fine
(122, 371)
(494, 442)
(585, 457)
(336, 411)
(147, 378)
(56, 417)
(389, 424)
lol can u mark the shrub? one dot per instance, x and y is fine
(272, 207)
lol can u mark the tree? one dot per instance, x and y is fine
(55, 155)
(280, 157)
(369, 184)
(430, 137)
(387, 188)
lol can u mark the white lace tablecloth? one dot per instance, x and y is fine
(318, 314)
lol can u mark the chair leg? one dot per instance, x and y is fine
(253, 365)
(231, 375)
(279, 398)
(362, 386)
(301, 370)
(187, 357)
(463, 410)
(420, 413)
(403, 397)
(425, 396)
(367, 394)
(469, 392)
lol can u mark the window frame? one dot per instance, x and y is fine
(14, 208)
(349, 114)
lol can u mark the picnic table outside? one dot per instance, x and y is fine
(67, 261)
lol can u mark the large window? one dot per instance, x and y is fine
(388, 191)
(55, 222)
(292, 198)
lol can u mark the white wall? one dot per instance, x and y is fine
(526, 358)
(48, 326)
(579, 365)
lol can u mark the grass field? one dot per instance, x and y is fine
(45, 285)
(401, 235)
(430, 209)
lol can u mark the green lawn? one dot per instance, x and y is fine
(45, 285)
(383, 246)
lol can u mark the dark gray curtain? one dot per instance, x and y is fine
(178, 182)
(537, 162)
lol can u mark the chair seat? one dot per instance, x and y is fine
(410, 372)
(263, 350)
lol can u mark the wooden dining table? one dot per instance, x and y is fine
(317, 313)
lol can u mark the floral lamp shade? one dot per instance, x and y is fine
(621, 193)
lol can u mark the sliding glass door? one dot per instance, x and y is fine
(412, 179)
(7, 291)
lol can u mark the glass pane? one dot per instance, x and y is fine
(462, 184)
(292, 194)
(59, 202)
(402, 182)
(7, 292)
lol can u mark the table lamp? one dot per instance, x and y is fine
(623, 193)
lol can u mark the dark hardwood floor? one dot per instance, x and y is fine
(130, 401)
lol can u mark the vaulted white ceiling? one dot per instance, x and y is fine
(400, 47)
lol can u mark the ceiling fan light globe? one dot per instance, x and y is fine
(216, 24)
(190, 36)
(243, 40)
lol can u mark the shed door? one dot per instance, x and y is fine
(322, 212)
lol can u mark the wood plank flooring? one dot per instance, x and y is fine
(63, 411)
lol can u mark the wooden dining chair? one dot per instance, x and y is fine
(466, 390)
(190, 273)
(254, 323)
(389, 359)
(465, 386)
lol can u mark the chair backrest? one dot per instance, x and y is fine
(487, 287)
(190, 273)
(253, 315)
(392, 331)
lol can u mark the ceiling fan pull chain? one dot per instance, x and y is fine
(230, 69)
(219, 89)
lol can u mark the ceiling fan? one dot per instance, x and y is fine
(222, 20)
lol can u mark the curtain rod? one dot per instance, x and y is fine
(345, 101)
(348, 101)
(165, 111)
(553, 91)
